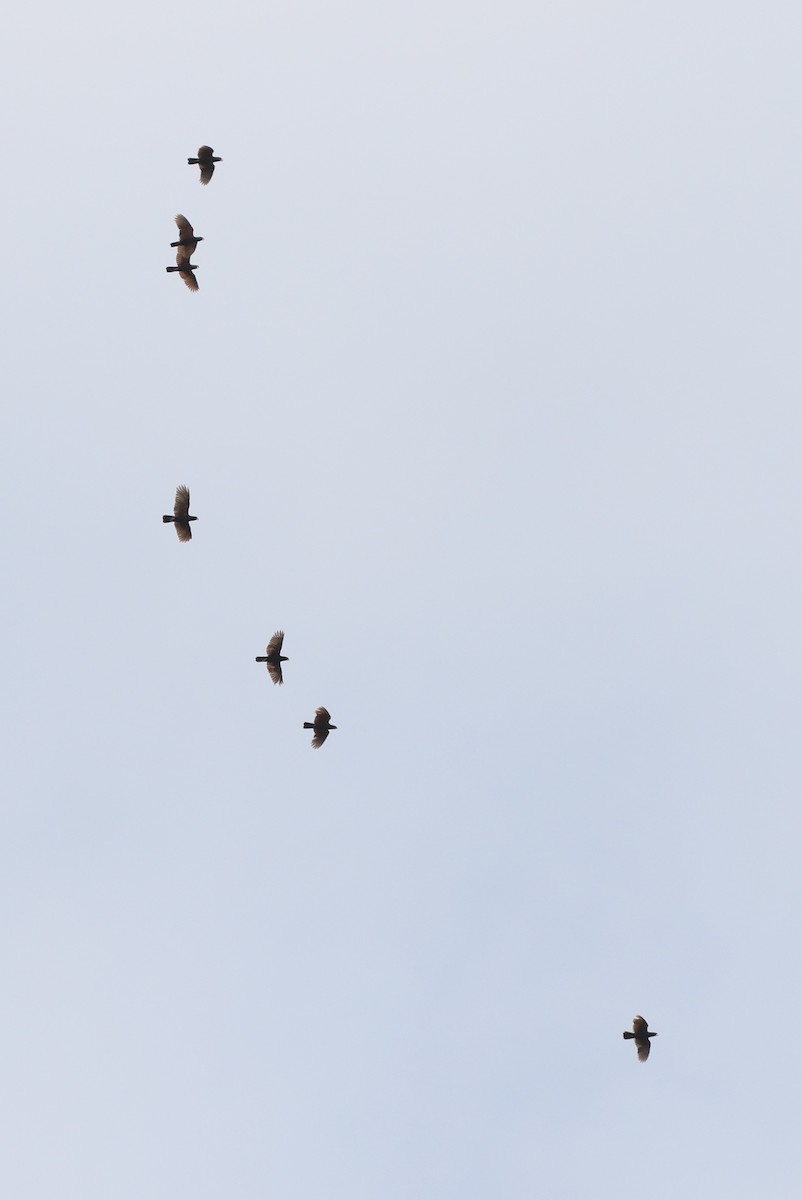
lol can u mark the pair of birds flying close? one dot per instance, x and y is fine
(185, 247)
(640, 1034)
(273, 658)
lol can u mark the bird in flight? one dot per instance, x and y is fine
(640, 1032)
(181, 516)
(187, 241)
(185, 268)
(274, 658)
(205, 160)
(321, 725)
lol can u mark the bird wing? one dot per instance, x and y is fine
(205, 154)
(275, 672)
(184, 227)
(184, 531)
(639, 1027)
(644, 1046)
(188, 276)
(319, 738)
(321, 715)
(276, 642)
(181, 506)
(207, 170)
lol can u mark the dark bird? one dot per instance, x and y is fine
(640, 1032)
(274, 658)
(321, 725)
(187, 240)
(181, 515)
(185, 268)
(205, 160)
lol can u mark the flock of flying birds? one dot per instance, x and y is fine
(184, 249)
(273, 658)
(187, 243)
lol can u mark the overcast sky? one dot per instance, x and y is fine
(490, 398)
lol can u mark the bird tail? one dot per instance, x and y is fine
(172, 268)
(308, 725)
(193, 161)
(166, 519)
(261, 658)
(627, 1034)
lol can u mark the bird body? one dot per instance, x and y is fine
(274, 658)
(205, 160)
(181, 517)
(187, 239)
(641, 1035)
(185, 268)
(322, 726)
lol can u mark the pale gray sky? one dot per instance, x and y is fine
(491, 400)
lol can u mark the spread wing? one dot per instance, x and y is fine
(184, 531)
(275, 643)
(322, 716)
(205, 154)
(319, 738)
(639, 1027)
(275, 672)
(644, 1046)
(207, 170)
(188, 276)
(181, 506)
(184, 227)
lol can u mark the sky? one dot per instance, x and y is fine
(490, 400)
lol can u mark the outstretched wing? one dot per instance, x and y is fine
(275, 643)
(644, 1046)
(184, 227)
(207, 170)
(639, 1027)
(188, 276)
(181, 506)
(275, 672)
(322, 716)
(319, 738)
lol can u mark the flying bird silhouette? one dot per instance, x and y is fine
(181, 516)
(640, 1032)
(205, 160)
(185, 268)
(274, 658)
(321, 725)
(187, 240)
